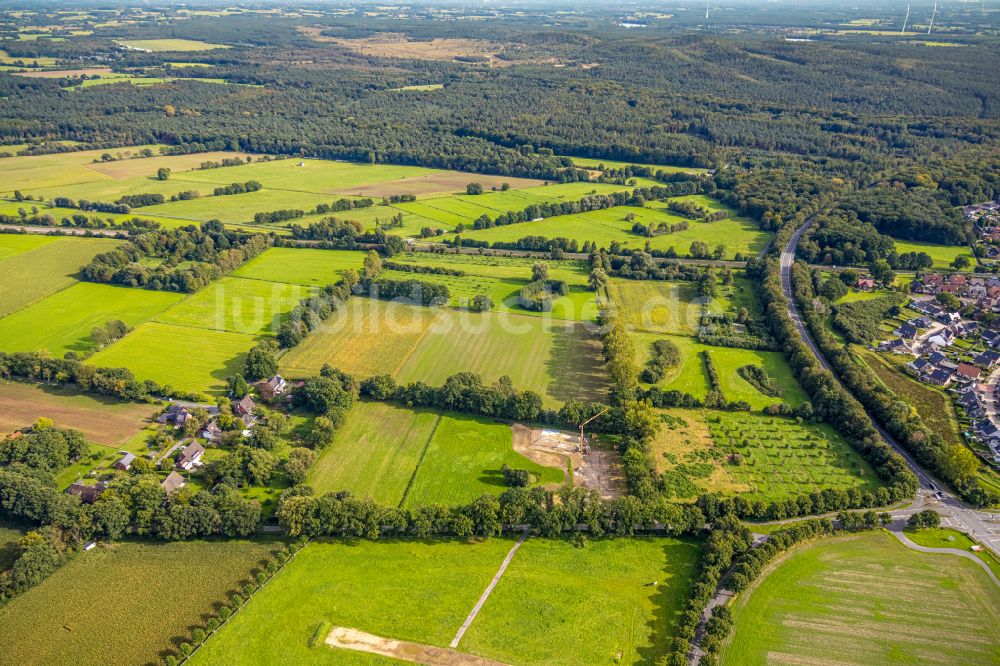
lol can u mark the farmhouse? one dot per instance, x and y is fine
(173, 482)
(190, 456)
(865, 283)
(125, 462)
(87, 494)
(274, 386)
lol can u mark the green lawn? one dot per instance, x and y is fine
(657, 307)
(299, 266)
(126, 603)
(463, 460)
(32, 275)
(942, 255)
(238, 207)
(866, 599)
(237, 305)
(560, 604)
(944, 537)
(556, 604)
(63, 321)
(186, 358)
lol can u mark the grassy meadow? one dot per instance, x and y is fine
(942, 255)
(31, 275)
(316, 268)
(400, 456)
(237, 305)
(159, 45)
(556, 604)
(866, 599)
(126, 603)
(63, 322)
(183, 357)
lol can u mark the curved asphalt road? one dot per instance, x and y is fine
(982, 526)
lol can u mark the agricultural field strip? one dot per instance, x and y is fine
(420, 460)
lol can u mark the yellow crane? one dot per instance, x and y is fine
(584, 448)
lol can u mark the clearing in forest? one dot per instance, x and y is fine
(866, 599)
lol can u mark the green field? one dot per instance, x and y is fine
(944, 537)
(63, 321)
(595, 162)
(736, 234)
(375, 452)
(186, 358)
(558, 361)
(297, 266)
(158, 45)
(32, 275)
(556, 604)
(11, 244)
(574, 273)
(126, 603)
(237, 207)
(942, 255)
(866, 599)
(780, 458)
(463, 460)
(690, 375)
(657, 307)
(416, 457)
(366, 337)
(237, 305)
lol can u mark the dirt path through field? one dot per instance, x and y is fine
(418, 653)
(487, 592)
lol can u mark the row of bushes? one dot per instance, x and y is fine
(716, 399)
(416, 268)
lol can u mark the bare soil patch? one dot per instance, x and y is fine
(599, 470)
(418, 653)
(103, 421)
(65, 73)
(437, 183)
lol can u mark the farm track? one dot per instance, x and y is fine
(488, 591)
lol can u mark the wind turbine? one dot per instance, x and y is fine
(933, 14)
(905, 19)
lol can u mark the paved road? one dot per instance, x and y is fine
(982, 526)
(897, 531)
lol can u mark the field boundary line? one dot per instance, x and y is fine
(423, 454)
(487, 592)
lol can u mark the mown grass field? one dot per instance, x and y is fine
(411, 457)
(32, 275)
(559, 362)
(63, 322)
(11, 244)
(556, 604)
(735, 234)
(101, 419)
(866, 599)
(942, 255)
(191, 359)
(238, 207)
(945, 537)
(126, 603)
(463, 461)
(595, 162)
(375, 452)
(300, 266)
(781, 458)
(574, 273)
(690, 376)
(559, 604)
(236, 305)
(407, 589)
(366, 337)
(158, 45)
